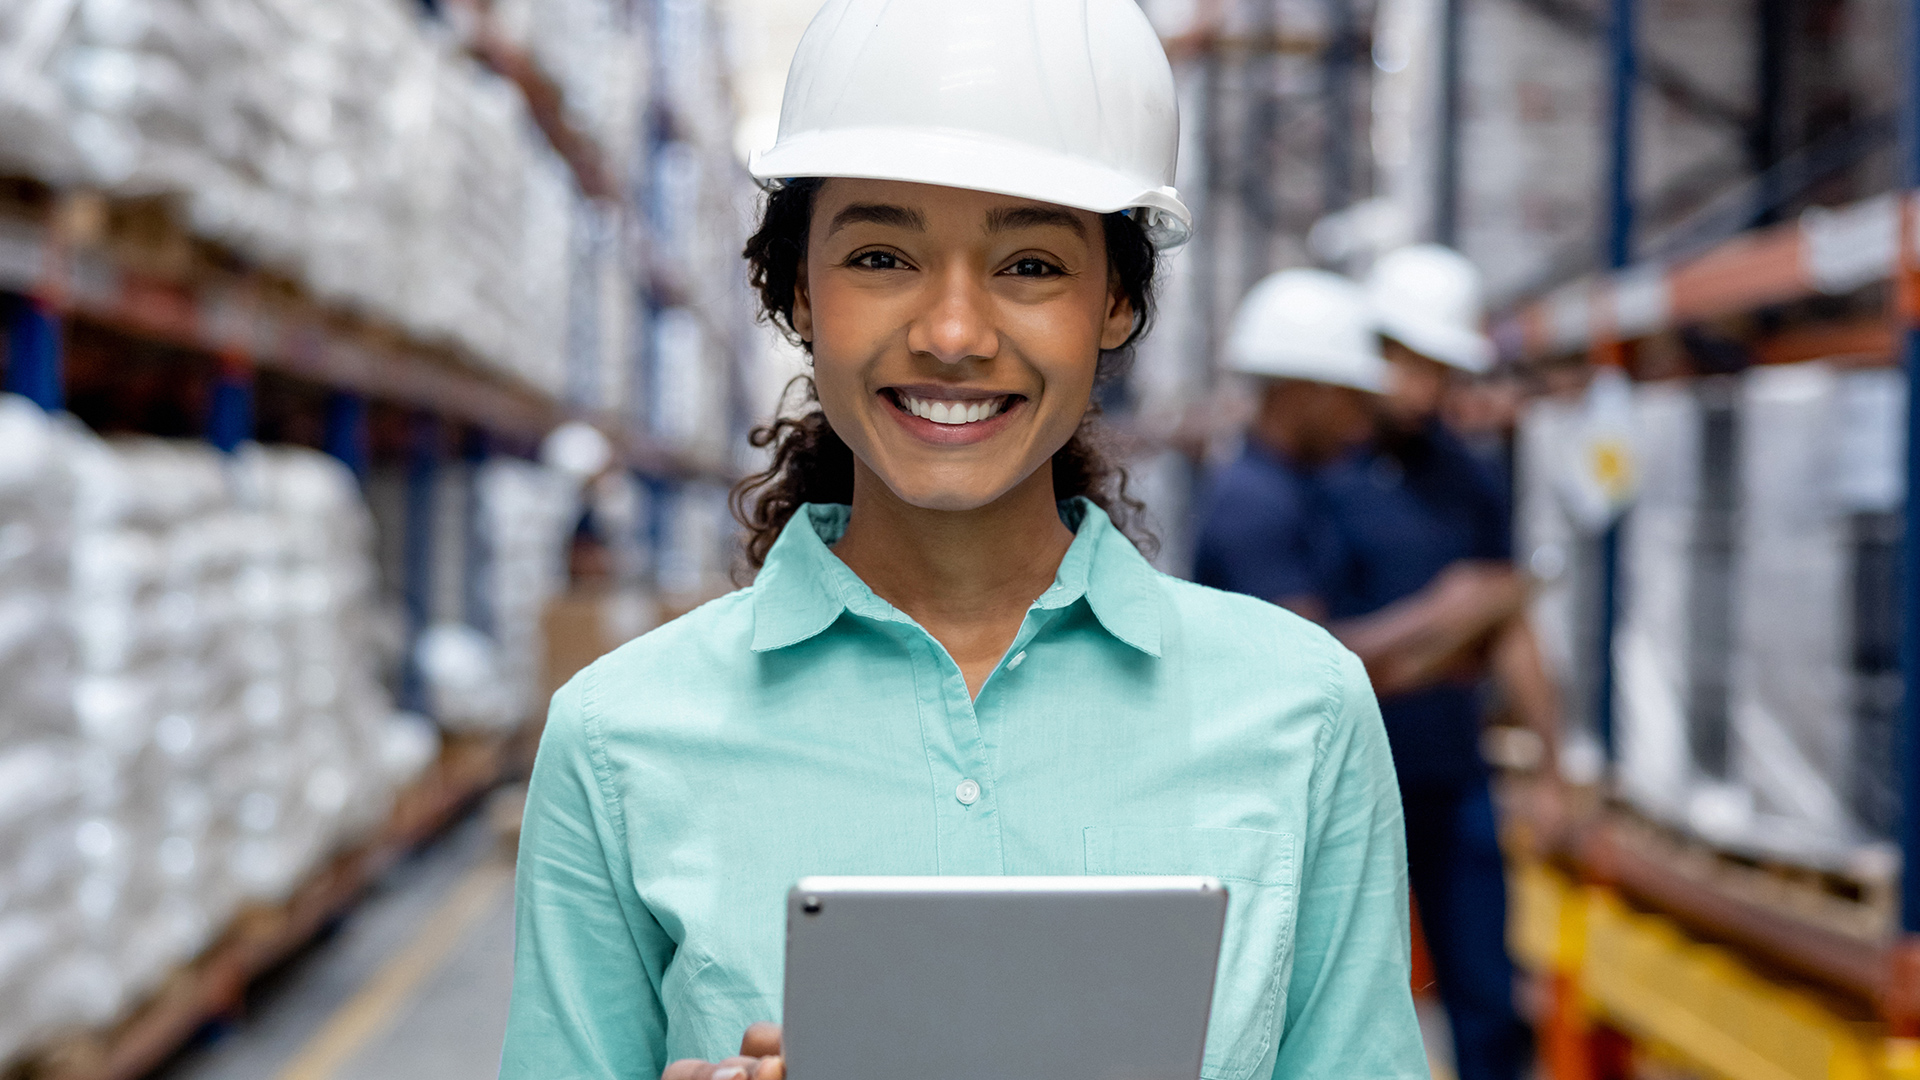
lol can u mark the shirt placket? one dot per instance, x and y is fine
(966, 819)
(965, 787)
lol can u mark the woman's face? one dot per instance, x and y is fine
(955, 333)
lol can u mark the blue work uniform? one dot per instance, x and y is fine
(1264, 531)
(1404, 513)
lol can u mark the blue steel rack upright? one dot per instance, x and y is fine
(1908, 304)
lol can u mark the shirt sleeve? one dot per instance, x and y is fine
(1349, 1004)
(588, 956)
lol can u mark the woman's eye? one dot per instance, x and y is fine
(875, 260)
(1033, 268)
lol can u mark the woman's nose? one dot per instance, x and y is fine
(957, 322)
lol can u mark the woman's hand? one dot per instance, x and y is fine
(759, 1060)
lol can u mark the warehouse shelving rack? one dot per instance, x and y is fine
(234, 327)
(249, 322)
(1640, 950)
(1838, 251)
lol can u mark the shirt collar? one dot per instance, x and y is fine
(804, 587)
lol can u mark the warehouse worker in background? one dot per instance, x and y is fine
(1306, 338)
(1413, 511)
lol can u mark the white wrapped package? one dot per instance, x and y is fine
(527, 514)
(466, 687)
(1563, 559)
(595, 50)
(36, 524)
(348, 144)
(1652, 641)
(1794, 749)
(201, 721)
(1828, 459)
(1754, 661)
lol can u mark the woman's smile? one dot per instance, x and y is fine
(950, 415)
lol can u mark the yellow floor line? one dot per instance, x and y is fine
(378, 1004)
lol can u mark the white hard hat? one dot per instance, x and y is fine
(1428, 298)
(1307, 324)
(578, 449)
(1062, 102)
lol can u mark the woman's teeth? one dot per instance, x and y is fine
(952, 412)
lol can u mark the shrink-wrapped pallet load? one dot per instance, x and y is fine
(1820, 474)
(1652, 639)
(1755, 666)
(1560, 552)
(528, 513)
(350, 145)
(206, 722)
(47, 774)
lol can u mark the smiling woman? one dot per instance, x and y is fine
(951, 661)
(811, 463)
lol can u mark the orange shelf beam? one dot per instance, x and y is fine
(1828, 252)
(232, 316)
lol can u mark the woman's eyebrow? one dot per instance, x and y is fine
(878, 214)
(1026, 217)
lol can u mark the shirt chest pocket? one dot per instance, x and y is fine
(1258, 869)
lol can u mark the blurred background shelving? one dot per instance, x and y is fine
(412, 335)
(374, 365)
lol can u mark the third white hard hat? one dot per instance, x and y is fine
(1062, 101)
(1428, 298)
(1307, 324)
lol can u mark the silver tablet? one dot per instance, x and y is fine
(1000, 978)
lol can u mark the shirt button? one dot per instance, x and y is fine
(968, 793)
(1018, 659)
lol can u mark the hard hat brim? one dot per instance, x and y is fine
(964, 159)
(1364, 373)
(1462, 349)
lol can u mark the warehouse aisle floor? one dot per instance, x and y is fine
(413, 986)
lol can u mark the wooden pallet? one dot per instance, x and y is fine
(1861, 906)
(262, 937)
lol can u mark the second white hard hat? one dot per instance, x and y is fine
(1307, 324)
(1428, 298)
(1068, 103)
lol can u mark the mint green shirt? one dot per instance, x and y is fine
(1138, 724)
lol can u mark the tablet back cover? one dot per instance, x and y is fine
(1003, 981)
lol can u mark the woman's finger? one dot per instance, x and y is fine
(772, 1068)
(761, 1040)
(733, 1068)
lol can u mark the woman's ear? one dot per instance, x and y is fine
(1118, 326)
(802, 306)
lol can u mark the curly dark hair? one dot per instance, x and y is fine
(812, 465)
